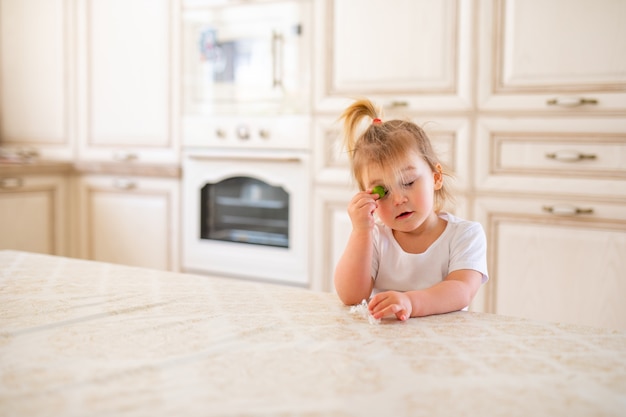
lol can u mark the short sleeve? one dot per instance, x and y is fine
(468, 250)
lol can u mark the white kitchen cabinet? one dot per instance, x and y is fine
(408, 55)
(36, 76)
(555, 258)
(552, 55)
(34, 212)
(128, 77)
(131, 220)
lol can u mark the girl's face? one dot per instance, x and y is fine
(409, 201)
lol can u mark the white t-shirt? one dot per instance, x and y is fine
(462, 245)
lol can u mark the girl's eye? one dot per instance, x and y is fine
(408, 184)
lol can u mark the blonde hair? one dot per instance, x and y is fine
(386, 145)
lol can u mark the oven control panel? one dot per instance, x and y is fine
(263, 132)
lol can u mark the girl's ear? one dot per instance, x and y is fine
(438, 176)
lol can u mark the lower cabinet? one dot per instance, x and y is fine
(555, 259)
(129, 220)
(33, 213)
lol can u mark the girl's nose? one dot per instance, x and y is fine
(399, 197)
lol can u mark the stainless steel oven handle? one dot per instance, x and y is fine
(277, 60)
(248, 158)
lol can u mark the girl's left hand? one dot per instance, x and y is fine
(391, 303)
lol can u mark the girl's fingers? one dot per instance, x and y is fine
(379, 308)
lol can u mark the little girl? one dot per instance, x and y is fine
(416, 260)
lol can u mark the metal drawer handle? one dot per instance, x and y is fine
(569, 156)
(11, 183)
(124, 184)
(123, 156)
(398, 103)
(566, 210)
(571, 101)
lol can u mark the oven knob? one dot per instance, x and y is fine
(264, 133)
(220, 133)
(243, 132)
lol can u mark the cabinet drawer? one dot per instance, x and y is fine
(560, 154)
(549, 155)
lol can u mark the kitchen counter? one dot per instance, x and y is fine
(82, 338)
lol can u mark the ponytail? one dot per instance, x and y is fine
(353, 116)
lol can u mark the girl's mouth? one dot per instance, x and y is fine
(404, 215)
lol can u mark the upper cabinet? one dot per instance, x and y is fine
(127, 75)
(36, 77)
(407, 55)
(552, 55)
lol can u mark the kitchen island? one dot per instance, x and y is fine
(82, 338)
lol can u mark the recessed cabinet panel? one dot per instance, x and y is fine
(34, 75)
(554, 55)
(412, 54)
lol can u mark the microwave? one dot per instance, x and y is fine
(243, 58)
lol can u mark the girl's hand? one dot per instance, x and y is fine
(391, 303)
(361, 210)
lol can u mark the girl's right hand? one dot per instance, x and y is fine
(361, 210)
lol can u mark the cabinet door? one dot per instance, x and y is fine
(33, 212)
(129, 220)
(555, 259)
(412, 54)
(127, 63)
(553, 55)
(35, 75)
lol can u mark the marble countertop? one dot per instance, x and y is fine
(81, 338)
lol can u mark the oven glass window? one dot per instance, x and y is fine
(245, 210)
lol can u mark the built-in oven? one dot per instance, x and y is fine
(246, 200)
(246, 132)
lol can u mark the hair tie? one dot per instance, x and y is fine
(376, 121)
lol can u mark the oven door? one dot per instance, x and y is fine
(245, 214)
